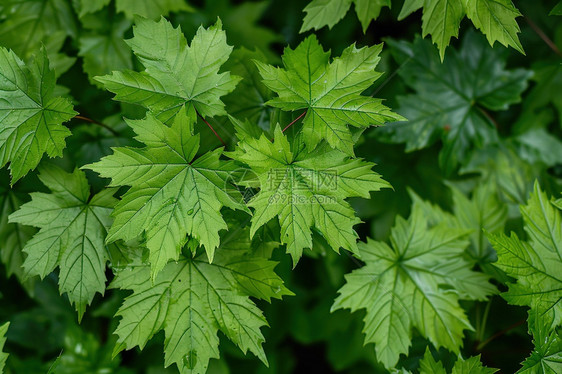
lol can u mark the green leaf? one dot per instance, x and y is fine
(416, 282)
(306, 189)
(84, 7)
(442, 19)
(13, 236)
(451, 100)
(428, 365)
(104, 50)
(248, 100)
(330, 92)
(173, 194)
(496, 19)
(176, 75)
(471, 365)
(484, 212)
(320, 13)
(368, 10)
(546, 358)
(535, 263)
(71, 236)
(152, 9)
(3, 356)
(29, 24)
(31, 114)
(191, 300)
(557, 10)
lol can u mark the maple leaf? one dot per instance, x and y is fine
(103, 48)
(535, 263)
(71, 236)
(248, 100)
(472, 365)
(451, 99)
(30, 114)
(3, 356)
(442, 18)
(557, 10)
(173, 193)
(40, 18)
(191, 300)
(483, 211)
(13, 236)
(415, 283)
(320, 13)
(84, 7)
(250, 33)
(330, 92)
(152, 9)
(176, 75)
(546, 358)
(306, 189)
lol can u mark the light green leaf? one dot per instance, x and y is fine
(3, 356)
(484, 212)
(191, 300)
(176, 74)
(306, 189)
(30, 114)
(496, 19)
(320, 13)
(173, 194)
(13, 236)
(536, 263)
(546, 358)
(415, 282)
(84, 7)
(330, 92)
(152, 9)
(428, 365)
(557, 10)
(71, 236)
(471, 365)
(442, 19)
(368, 10)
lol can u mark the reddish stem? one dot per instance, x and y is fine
(82, 118)
(211, 127)
(295, 120)
(500, 333)
(543, 36)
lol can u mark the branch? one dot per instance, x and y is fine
(500, 333)
(86, 119)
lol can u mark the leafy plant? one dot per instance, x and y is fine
(177, 191)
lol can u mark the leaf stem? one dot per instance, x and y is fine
(86, 119)
(543, 36)
(295, 120)
(500, 333)
(488, 116)
(211, 127)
